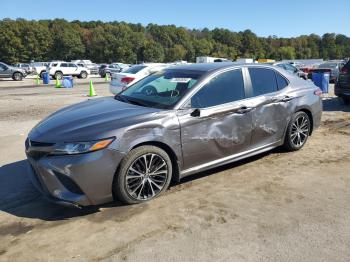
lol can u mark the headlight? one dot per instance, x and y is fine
(81, 147)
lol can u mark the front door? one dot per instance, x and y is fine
(4, 71)
(215, 123)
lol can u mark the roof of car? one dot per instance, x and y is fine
(206, 67)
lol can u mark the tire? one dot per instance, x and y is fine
(138, 188)
(58, 75)
(17, 76)
(346, 100)
(41, 74)
(297, 132)
(83, 75)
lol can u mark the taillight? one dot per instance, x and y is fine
(318, 92)
(344, 70)
(127, 79)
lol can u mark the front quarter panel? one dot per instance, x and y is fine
(163, 127)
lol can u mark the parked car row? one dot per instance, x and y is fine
(112, 68)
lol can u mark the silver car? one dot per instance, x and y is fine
(171, 124)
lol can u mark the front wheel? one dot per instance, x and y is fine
(144, 174)
(298, 131)
(17, 76)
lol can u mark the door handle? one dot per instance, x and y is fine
(286, 99)
(243, 110)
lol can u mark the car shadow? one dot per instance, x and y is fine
(331, 104)
(19, 197)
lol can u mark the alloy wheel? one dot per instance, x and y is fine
(300, 131)
(146, 177)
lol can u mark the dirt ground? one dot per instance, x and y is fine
(273, 207)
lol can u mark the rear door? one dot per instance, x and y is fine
(72, 69)
(64, 68)
(215, 123)
(272, 106)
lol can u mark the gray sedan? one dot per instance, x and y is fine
(169, 125)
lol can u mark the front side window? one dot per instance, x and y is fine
(162, 89)
(224, 88)
(263, 81)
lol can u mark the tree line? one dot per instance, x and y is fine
(105, 42)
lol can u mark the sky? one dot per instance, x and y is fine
(283, 18)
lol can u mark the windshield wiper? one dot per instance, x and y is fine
(128, 100)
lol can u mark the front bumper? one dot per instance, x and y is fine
(76, 180)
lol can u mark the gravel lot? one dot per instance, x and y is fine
(273, 207)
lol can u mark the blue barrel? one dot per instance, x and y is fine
(321, 80)
(46, 78)
(67, 82)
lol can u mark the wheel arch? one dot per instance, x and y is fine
(19, 72)
(174, 159)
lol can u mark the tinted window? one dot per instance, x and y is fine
(64, 65)
(224, 88)
(263, 81)
(3, 67)
(281, 81)
(73, 65)
(134, 69)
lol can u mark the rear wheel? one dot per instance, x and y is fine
(144, 174)
(298, 131)
(58, 75)
(17, 76)
(83, 75)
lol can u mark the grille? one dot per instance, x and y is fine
(40, 144)
(37, 150)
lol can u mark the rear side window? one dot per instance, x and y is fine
(281, 81)
(224, 88)
(134, 69)
(263, 81)
(64, 65)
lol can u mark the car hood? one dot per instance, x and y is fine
(90, 120)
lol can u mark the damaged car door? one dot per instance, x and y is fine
(272, 106)
(215, 122)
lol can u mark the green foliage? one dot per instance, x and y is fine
(22, 40)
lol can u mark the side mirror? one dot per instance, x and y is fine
(196, 113)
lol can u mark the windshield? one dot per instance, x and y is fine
(162, 89)
(134, 69)
(328, 65)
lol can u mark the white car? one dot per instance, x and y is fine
(39, 68)
(59, 69)
(120, 81)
